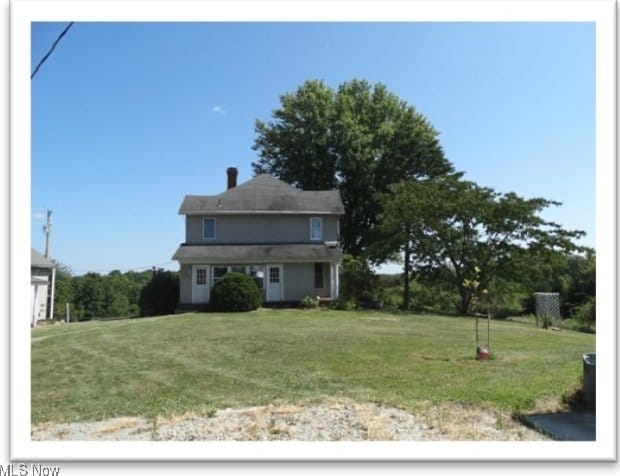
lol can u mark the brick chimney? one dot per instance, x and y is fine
(232, 177)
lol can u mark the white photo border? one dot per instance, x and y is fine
(601, 12)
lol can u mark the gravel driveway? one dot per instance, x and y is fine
(329, 421)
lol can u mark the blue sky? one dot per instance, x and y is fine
(127, 118)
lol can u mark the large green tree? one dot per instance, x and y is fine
(89, 296)
(573, 276)
(453, 228)
(360, 139)
(94, 295)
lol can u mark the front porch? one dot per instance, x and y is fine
(279, 282)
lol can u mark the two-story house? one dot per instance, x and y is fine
(284, 237)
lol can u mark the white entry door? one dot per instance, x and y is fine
(200, 284)
(274, 282)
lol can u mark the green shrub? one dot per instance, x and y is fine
(432, 297)
(390, 297)
(586, 313)
(546, 320)
(573, 324)
(505, 299)
(160, 296)
(309, 302)
(358, 282)
(235, 292)
(343, 304)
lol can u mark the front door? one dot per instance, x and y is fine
(274, 283)
(200, 284)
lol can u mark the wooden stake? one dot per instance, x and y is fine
(477, 339)
(489, 331)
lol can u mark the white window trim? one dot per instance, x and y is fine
(204, 221)
(310, 224)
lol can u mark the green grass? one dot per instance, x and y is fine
(198, 362)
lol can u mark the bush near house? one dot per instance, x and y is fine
(160, 295)
(235, 292)
(358, 283)
(309, 302)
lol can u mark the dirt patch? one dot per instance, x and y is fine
(328, 421)
(119, 429)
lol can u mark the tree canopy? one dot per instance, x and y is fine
(94, 295)
(359, 139)
(459, 230)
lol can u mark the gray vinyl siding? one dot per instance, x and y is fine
(41, 304)
(41, 273)
(298, 281)
(259, 228)
(42, 290)
(185, 283)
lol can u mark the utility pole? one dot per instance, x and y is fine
(47, 229)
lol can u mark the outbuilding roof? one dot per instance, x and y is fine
(264, 194)
(37, 260)
(262, 253)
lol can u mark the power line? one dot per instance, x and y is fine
(51, 49)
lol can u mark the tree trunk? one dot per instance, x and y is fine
(406, 276)
(465, 300)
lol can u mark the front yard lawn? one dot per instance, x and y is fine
(200, 362)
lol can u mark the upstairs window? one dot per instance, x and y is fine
(316, 228)
(208, 229)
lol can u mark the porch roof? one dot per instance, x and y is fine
(37, 260)
(257, 253)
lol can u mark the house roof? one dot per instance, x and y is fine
(263, 253)
(37, 260)
(264, 194)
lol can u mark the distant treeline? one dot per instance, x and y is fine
(572, 276)
(156, 292)
(116, 294)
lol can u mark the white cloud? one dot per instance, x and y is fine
(38, 215)
(219, 110)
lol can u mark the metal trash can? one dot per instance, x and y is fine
(589, 380)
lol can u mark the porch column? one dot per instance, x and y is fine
(337, 293)
(35, 305)
(52, 293)
(334, 284)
